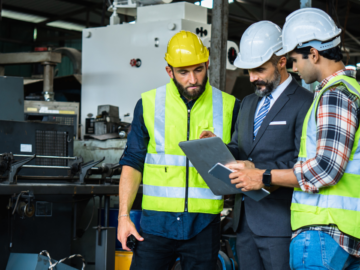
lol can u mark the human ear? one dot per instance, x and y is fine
(314, 55)
(169, 72)
(282, 62)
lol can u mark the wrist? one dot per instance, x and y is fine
(123, 216)
(266, 179)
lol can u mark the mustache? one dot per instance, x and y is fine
(257, 83)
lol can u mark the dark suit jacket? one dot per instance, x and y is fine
(275, 147)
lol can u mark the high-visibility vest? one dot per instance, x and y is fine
(338, 204)
(168, 175)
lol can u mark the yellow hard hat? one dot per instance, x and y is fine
(186, 49)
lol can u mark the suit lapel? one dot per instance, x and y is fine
(275, 109)
(250, 124)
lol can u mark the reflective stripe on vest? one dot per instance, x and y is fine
(166, 160)
(326, 201)
(179, 192)
(338, 204)
(159, 130)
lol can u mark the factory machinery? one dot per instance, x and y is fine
(45, 189)
(59, 160)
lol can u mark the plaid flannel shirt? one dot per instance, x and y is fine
(337, 122)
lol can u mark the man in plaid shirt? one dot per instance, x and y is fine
(325, 210)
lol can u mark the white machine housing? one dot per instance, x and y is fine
(108, 77)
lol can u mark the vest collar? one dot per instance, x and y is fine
(173, 89)
(336, 80)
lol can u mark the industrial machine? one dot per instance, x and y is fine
(106, 125)
(64, 113)
(131, 61)
(45, 188)
(107, 119)
(44, 150)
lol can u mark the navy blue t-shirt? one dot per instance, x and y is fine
(179, 226)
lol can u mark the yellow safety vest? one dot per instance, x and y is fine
(338, 204)
(169, 177)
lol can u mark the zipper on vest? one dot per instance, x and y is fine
(187, 165)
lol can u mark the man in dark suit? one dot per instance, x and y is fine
(267, 136)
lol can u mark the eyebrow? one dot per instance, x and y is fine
(258, 69)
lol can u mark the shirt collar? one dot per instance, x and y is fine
(189, 103)
(346, 72)
(278, 90)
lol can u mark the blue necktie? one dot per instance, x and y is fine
(262, 114)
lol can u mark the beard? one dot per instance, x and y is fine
(193, 94)
(270, 86)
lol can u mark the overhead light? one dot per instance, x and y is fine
(358, 65)
(22, 16)
(351, 67)
(35, 34)
(67, 25)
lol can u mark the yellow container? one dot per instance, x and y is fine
(123, 260)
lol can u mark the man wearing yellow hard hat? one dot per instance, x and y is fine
(181, 216)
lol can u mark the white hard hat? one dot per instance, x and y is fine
(309, 27)
(258, 43)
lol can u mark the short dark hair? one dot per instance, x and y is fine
(275, 59)
(331, 54)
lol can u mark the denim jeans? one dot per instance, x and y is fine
(318, 250)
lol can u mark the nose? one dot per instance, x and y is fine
(294, 67)
(253, 76)
(192, 78)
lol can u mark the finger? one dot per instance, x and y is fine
(235, 166)
(241, 164)
(123, 244)
(233, 175)
(204, 134)
(236, 181)
(237, 174)
(137, 235)
(240, 186)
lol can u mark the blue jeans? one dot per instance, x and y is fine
(318, 250)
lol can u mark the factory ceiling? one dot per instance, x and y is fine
(72, 16)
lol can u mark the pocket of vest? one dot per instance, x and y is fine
(163, 175)
(155, 174)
